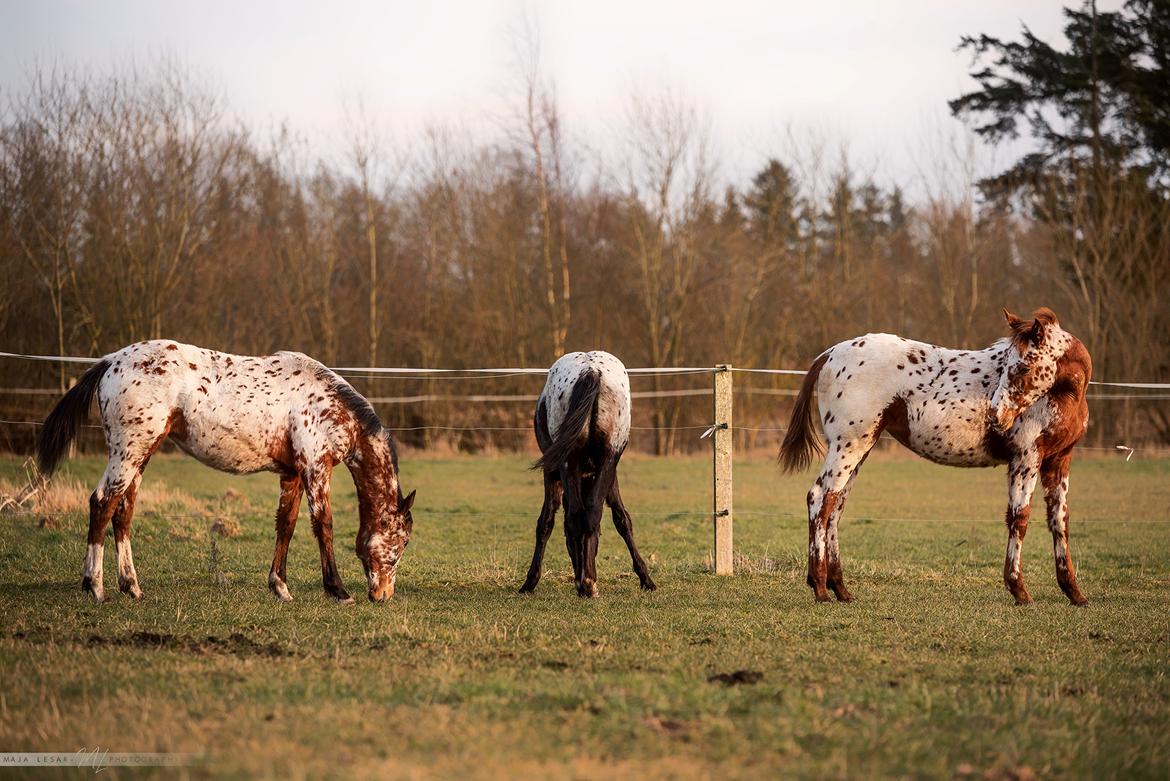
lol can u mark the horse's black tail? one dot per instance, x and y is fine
(61, 426)
(801, 440)
(577, 421)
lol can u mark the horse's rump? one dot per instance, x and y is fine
(576, 423)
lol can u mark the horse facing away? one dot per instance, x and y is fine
(1020, 401)
(582, 425)
(284, 413)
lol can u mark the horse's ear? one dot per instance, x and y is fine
(1036, 332)
(1013, 322)
(1046, 316)
(405, 505)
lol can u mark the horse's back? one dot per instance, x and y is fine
(873, 366)
(236, 413)
(613, 400)
(932, 399)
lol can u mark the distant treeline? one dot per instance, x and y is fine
(133, 206)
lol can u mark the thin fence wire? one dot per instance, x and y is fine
(421, 372)
(431, 374)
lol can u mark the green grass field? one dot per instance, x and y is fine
(931, 673)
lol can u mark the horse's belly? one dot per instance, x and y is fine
(227, 445)
(227, 457)
(227, 454)
(962, 447)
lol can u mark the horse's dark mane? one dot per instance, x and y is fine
(393, 449)
(368, 420)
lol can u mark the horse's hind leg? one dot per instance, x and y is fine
(127, 577)
(286, 522)
(834, 578)
(104, 502)
(130, 448)
(826, 499)
(1022, 473)
(1054, 478)
(625, 527)
(544, 527)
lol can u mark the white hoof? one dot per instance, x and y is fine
(95, 589)
(278, 588)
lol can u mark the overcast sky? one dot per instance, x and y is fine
(874, 74)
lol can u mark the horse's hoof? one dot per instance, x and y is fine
(132, 590)
(279, 588)
(1079, 600)
(819, 597)
(1023, 601)
(840, 592)
(527, 588)
(344, 599)
(95, 590)
(648, 585)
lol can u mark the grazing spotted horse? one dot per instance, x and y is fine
(284, 413)
(582, 425)
(1021, 401)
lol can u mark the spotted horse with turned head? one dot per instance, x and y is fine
(1019, 402)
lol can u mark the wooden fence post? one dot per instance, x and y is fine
(724, 562)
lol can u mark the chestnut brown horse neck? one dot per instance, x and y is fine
(284, 413)
(1020, 401)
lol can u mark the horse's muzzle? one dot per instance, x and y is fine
(1001, 421)
(382, 592)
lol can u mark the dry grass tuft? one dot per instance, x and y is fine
(66, 495)
(226, 526)
(190, 519)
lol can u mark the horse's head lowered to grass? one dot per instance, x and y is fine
(1032, 365)
(384, 519)
(380, 544)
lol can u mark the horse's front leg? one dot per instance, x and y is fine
(1054, 478)
(286, 522)
(594, 495)
(574, 524)
(321, 512)
(1022, 473)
